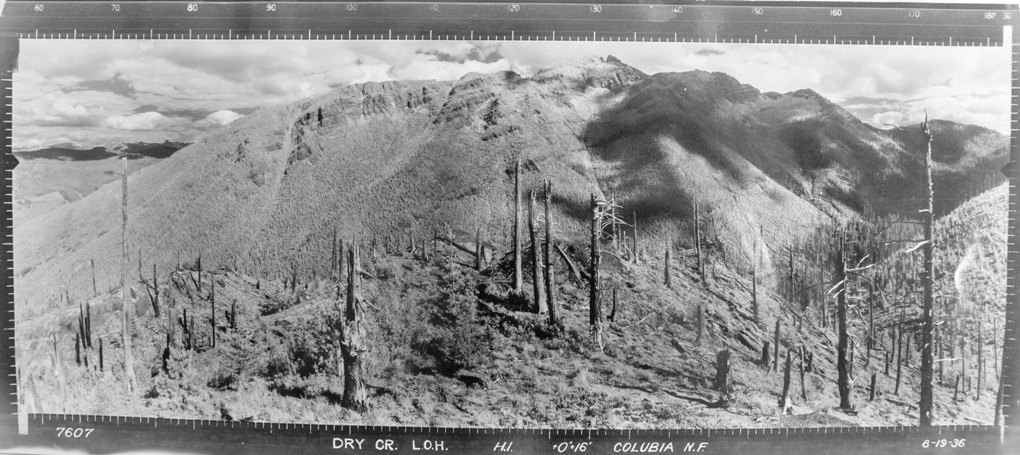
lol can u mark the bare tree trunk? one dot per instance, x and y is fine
(594, 305)
(578, 275)
(538, 306)
(928, 307)
(803, 389)
(821, 291)
(980, 359)
(637, 257)
(871, 322)
(775, 354)
(129, 364)
(786, 382)
(212, 311)
(899, 360)
(478, 249)
(518, 270)
(95, 290)
(612, 314)
(697, 241)
(842, 367)
(550, 289)
(872, 394)
(789, 294)
(764, 360)
(352, 336)
(722, 376)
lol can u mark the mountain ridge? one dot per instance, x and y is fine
(396, 159)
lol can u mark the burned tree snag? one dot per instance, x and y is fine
(928, 308)
(550, 288)
(697, 241)
(786, 381)
(539, 305)
(764, 360)
(803, 388)
(637, 257)
(872, 389)
(722, 376)
(612, 313)
(212, 311)
(478, 249)
(775, 342)
(789, 278)
(594, 305)
(578, 275)
(352, 336)
(980, 359)
(887, 355)
(843, 339)
(518, 270)
(233, 315)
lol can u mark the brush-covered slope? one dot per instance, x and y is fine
(381, 160)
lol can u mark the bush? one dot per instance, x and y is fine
(453, 339)
(311, 346)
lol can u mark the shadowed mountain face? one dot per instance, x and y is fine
(410, 158)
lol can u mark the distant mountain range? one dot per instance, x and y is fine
(73, 152)
(267, 192)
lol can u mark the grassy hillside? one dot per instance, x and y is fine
(435, 322)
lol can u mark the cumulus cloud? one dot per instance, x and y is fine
(218, 118)
(142, 121)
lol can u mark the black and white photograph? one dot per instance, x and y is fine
(569, 235)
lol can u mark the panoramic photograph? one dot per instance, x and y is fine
(511, 234)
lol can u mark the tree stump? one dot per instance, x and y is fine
(722, 376)
(783, 401)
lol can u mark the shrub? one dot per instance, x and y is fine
(453, 339)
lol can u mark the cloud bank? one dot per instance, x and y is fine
(105, 92)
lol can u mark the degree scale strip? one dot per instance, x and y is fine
(739, 22)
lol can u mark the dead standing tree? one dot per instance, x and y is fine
(842, 367)
(538, 305)
(129, 368)
(594, 294)
(927, 309)
(352, 336)
(697, 241)
(518, 270)
(550, 293)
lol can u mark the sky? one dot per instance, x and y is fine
(107, 92)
